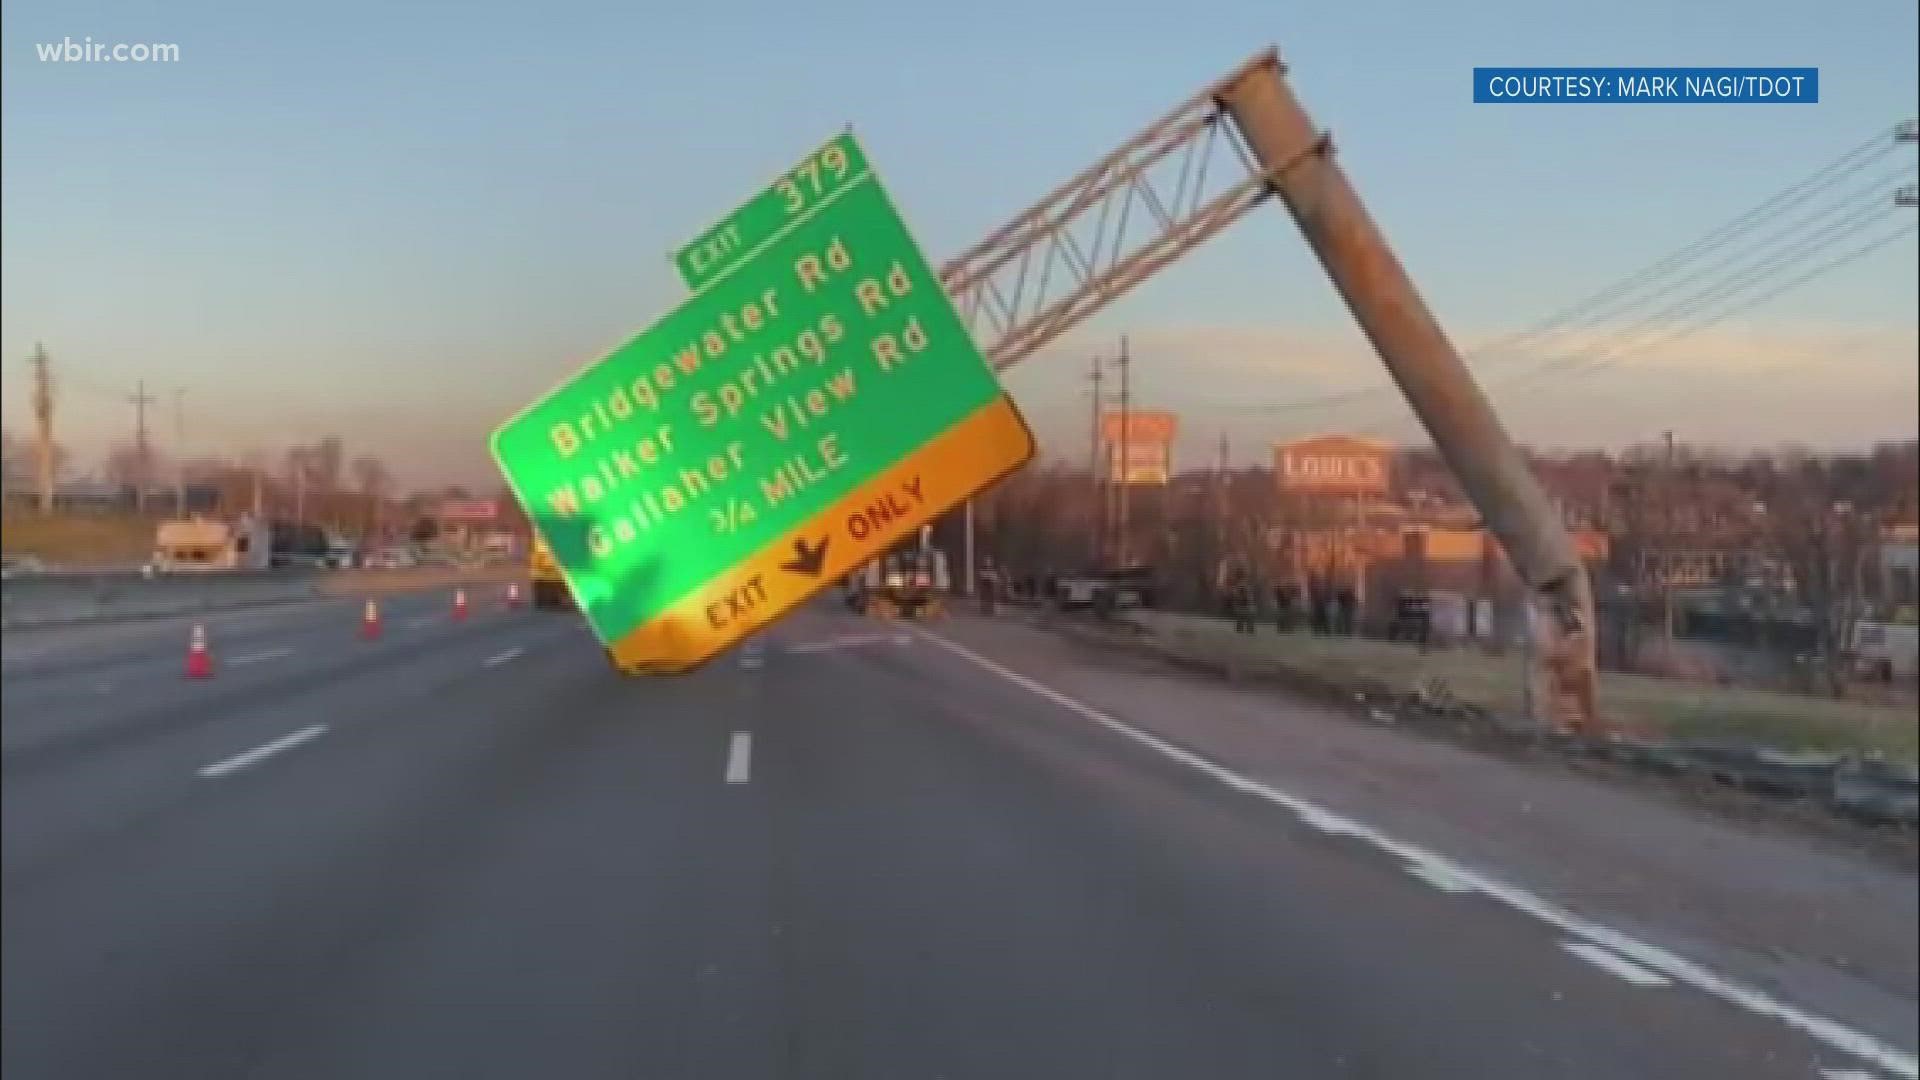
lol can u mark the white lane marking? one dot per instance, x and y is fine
(1847, 1074)
(1614, 965)
(1440, 878)
(1834, 1034)
(421, 623)
(844, 641)
(739, 757)
(262, 657)
(262, 752)
(505, 657)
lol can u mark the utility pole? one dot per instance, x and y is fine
(299, 488)
(43, 426)
(1667, 534)
(179, 453)
(1221, 530)
(1098, 487)
(1123, 511)
(140, 399)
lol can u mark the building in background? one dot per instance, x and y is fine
(1327, 529)
(1896, 591)
(474, 526)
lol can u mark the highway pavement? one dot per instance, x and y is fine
(471, 849)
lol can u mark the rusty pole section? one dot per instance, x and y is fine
(1299, 165)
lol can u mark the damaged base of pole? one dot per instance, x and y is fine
(1563, 677)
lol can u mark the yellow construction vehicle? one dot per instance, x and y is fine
(910, 583)
(548, 587)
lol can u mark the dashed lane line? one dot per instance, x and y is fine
(739, 758)
(262, 752)
(261, 657)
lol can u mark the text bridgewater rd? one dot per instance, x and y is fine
(625, 448)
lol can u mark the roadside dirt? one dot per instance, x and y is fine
(1895, 846)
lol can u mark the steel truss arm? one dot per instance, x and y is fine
(1149, 201)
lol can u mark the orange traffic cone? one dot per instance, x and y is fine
(459, 604)
(199, 660)
(513, 594)
(370, 622)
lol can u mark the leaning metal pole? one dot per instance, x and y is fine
(1300, 168)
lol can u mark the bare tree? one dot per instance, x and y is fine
(18, 462)
(512, 514)
(300, 479)
(1824, 537)
(126, 465)
(374, 480)
(327, 459)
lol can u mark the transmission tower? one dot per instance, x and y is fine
(142, 450)
(43, 426)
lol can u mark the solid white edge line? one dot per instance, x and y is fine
(505, 657)
(739, 757)
(1614, 965)
(1439, 877)
(1830, 1032)
(262, 752)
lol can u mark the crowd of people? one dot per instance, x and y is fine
(1323, 609)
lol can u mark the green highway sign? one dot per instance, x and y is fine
(816, 402)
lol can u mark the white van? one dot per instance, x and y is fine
(201, 545)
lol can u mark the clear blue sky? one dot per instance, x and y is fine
(400, 221)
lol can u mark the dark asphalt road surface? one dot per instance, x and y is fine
(472, 850)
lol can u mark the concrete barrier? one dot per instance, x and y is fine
(59, 599)
(414, 579)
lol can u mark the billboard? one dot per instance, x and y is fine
(468, 511)
(1339, 465)
(1146, 437)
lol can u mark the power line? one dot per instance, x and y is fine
(1817, 272)
(1698, 306)
(1754, 274)
(1847, 164)
(1648, 283)
(1616, 356)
